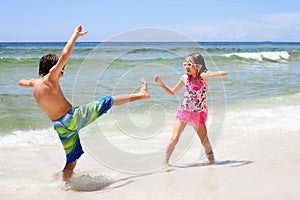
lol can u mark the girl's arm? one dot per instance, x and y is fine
(167, 89)
(214, 74)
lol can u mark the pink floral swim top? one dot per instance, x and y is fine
(194, 99)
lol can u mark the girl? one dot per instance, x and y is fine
(193, 109)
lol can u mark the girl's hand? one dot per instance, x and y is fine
(157, 79)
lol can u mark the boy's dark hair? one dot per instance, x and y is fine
(46, 63)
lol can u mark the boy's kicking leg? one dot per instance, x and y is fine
(143, 94)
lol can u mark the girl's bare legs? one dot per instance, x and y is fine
(143, 94)
(202, 134)
(177, 130)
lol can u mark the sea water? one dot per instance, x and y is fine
(260, 94)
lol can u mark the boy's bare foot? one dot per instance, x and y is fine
(66, 175)
(144, 90)
(68, 171)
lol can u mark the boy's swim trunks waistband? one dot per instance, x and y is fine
(68, 126)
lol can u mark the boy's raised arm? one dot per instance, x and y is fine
(67, 51)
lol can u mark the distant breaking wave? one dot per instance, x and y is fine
(157, 56)
(260, 56)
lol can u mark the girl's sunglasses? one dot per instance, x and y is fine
(188, 64)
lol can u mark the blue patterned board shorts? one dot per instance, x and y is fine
(76, 118)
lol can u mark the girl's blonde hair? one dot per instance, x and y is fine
(198, 59)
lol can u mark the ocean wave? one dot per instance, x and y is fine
(294, 55)
(260, 56)
(281, 118)
(18, 60)
(29, 139)
(29, 60)
(280, 113)
(276, 113)
(156, 60)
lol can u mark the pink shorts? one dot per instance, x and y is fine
(194, 119)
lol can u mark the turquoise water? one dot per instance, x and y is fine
(257, 71)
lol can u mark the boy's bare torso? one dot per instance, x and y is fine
(49, 97)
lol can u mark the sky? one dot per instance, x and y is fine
(210, 20)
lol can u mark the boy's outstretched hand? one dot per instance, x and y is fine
(79, 32)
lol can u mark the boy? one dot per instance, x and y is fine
(69, 120)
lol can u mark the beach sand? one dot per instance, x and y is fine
(248, 166)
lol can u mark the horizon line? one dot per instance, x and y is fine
(60, 41)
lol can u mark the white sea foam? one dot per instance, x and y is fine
(273, 115)
(29, 138)
(278, 114)
(275, 56)
(87, 183)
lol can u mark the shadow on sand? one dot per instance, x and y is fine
(87, 183)
(230, 163)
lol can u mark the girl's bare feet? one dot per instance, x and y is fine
(210, 157)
